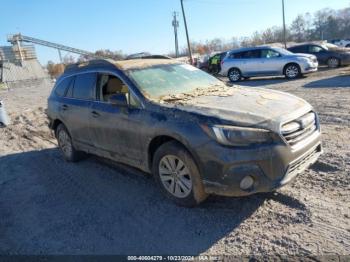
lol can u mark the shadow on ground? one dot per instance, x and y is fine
(333, 82)
(49, 206)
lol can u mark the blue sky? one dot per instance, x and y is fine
(143, 25)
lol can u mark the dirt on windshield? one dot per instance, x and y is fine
(186, 98)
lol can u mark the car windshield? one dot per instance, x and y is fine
(171, 79)
(283, 51)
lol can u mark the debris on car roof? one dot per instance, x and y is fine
(143, 63)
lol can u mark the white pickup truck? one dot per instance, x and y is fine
(341, 43)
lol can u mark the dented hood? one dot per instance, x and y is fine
(250, 107)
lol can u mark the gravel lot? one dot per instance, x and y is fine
(48, 206)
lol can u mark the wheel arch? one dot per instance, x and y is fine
(234, 67)
(291, 63)
(160, 140)
(56, 123)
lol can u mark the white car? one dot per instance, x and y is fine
(341, 43)
(4, 120)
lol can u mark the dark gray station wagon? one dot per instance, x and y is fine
(195, 134)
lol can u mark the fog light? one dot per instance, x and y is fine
(246, 183)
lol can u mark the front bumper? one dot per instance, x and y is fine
(309, 68)
(271, 167)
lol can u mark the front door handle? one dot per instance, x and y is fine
(95, 114)
(64, 107)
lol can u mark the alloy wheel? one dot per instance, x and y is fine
(234, 75)
(292, 71)
(175, 176)
(65, 143)
(333, 62)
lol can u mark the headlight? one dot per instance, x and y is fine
(305, 60)
(239, 136)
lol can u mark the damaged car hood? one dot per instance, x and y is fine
(248, 107)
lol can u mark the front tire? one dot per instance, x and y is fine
(177, 175)
(234, 74)
(65, 144)
(333, 62)
(292, 71)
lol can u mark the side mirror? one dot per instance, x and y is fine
(118, 100)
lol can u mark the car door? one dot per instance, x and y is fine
(271, 62)
(76, 105)
(319, 52)
(115, 129)
(250, 63)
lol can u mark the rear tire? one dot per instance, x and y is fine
(234, 74)
(177, 175)
(65, 144)
(333, 62)
(292, 71)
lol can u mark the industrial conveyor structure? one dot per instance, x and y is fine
(17, 39)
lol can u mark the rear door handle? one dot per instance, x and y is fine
(95, 114)
(64, 107)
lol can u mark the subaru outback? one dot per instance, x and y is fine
(195, 134)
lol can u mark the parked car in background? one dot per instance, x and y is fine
(327, 54)
(223, 140)
(266, 61)
(341, 43)
(211, 63)
(4, 120)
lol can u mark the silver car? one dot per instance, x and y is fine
(266, 61)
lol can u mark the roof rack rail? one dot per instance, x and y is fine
(105, 62)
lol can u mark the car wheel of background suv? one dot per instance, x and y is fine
(292, 71)
(177, 175)
(234, 74)
(333, 62)
(65, 144)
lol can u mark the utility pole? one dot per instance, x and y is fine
(188, 40)
(284, 26)
(176, 25)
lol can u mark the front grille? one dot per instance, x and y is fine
(299, 129)
(302, 163)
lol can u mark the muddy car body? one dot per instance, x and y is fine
(211, 139)
(4, 120)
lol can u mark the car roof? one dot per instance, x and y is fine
(121, 65)
(250, 48)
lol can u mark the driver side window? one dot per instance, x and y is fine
(268, 53)
(109, 85)
(315, 49)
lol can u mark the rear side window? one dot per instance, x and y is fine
(298, 49)
(61, 88)
(84, 86)
(251, 54)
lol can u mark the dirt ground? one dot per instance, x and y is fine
(48, 206)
